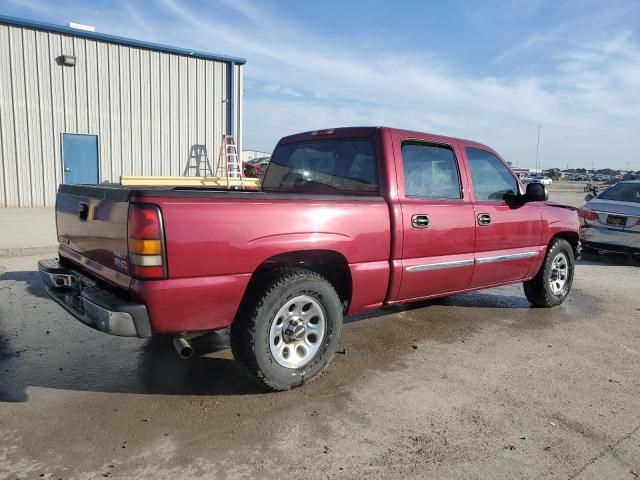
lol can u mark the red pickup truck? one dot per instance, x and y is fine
(347, 220)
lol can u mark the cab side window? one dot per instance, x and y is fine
(491, 179)
(430, 171)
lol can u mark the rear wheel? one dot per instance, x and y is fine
(552, 284)
(287, 333)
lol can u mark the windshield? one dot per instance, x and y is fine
(330, 165)
(622, 192)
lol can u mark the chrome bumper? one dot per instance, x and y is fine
(94, 306)
(609, 240)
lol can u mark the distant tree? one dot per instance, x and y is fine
(608, 171)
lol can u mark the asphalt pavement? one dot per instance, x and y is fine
(479, 385)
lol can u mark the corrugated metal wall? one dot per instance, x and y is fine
(147, 107)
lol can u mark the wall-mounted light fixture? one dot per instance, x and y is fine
(67, 60)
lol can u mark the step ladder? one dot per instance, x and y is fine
(198, 164)
(229, 165)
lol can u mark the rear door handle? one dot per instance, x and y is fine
(420, 221)
(484, 219)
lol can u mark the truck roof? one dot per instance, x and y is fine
(365, 131)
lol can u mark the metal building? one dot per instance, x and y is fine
(83, 107)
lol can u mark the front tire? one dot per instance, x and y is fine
(551, 286)
(287, 332)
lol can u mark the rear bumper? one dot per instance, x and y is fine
(94, 306)
(604, 239)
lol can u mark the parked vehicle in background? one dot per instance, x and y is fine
(348, 220)
(610, 221)
(542, 180)
(524, 177)
(256, 167)
(601, 178)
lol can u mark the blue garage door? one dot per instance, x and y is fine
(80, 158)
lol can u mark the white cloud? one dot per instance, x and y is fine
(589, 95)
(587, 100)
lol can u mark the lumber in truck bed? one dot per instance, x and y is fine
(220, 182)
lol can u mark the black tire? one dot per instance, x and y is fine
(250, 332)
(538, 290)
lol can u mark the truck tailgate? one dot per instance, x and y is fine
(92, 230)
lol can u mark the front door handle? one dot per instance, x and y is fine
(67, 169)
(420, 221)
(484, 219)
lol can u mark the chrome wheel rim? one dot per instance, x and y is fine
(559, 274)
(297, 331)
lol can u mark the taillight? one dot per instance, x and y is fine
(587, 214)
(146, 245)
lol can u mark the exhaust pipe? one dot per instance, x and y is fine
(183, 347)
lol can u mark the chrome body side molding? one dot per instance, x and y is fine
(441, 265)
(504, 258)
(471, 261)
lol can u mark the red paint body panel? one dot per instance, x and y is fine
(372, 281)
(512, 231)
(222, 237)
(214, 243)
(191, 304)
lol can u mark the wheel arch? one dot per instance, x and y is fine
(331, 264)
(572, 237)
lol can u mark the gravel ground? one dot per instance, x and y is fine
(569, 193)
(471, 386)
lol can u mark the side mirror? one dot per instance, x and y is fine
(589, 196)
(536, 192)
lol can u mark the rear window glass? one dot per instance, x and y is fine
(326, 165)
(430, 171)
(622, 192)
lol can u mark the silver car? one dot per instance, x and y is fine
(610, 222)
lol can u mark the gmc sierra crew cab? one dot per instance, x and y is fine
(347, 220)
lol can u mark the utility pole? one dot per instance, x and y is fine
(538, 149)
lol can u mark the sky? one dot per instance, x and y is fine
(489, 71)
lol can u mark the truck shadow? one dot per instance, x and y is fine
(212, 370)
(55, 352)
(30, 279)
(155, 369)
(472, 299)
(608, 260)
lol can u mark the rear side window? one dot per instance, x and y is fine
(491, 179)
(326, 165)
(430, 171)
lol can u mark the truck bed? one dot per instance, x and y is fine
(215, 240)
